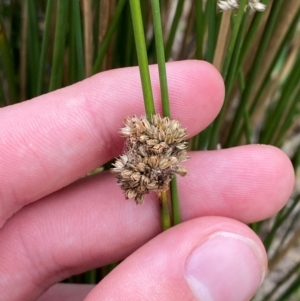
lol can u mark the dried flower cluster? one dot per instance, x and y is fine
(255, 5)
(154, 151)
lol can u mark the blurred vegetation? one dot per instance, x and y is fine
(46, 45)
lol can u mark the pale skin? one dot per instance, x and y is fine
(54, 223)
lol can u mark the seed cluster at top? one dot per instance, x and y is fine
(255, 5)
(154, 151)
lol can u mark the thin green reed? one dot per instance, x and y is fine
(292, 220)
(290, 290)
(290, 117)
(208, 19)
(247, 125)
(200, 29)
(7, 64)
(164, 94)
(230, 71)
(72, 53)
(236, 22)
(45, 46)
(3, 100)
(33, 52)
(251, 33)
(147, 89)
(96, 27)
(108, 36)
(59, 45)
(142, 57)
(234, 130)
(272, 122)
(125, 41)
(160, 53)
(77, 31)
(210, 13)
(279, 220)
(286, 41)
(282, 281)
(173, 29)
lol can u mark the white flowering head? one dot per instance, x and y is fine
(255, 5)
(228, 4)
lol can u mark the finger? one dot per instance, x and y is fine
(66, 292)
(95, 226)
(248, 183)
(209, 258)
(50, 141)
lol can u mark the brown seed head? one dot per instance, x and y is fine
(154, 152)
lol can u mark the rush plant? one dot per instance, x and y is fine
(45, 45)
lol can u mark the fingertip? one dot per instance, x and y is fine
(283, 173)
(202, 87)
(196, 259)
(211, 268)
(248, 183)
(206, 73)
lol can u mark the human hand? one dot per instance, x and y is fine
(54, 227)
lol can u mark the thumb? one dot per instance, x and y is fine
(207, 259)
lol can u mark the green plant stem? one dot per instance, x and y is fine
(3, 100)
(252, 31)
(289, 119)
(255, 227)
(45, 45)
(211, 20)
(285, 249)
(173, 30)
(164, 93)
(109, 34)
(165, 212)
(59, 45)
(78, 39)
(284, 279)
(96, 29)
(200, 29)
(290, 85)
(8, 65)
(283, 47)
(247, 125)
(129, 50)
(142, 56)
(286, 234)
(33, 52)
(233, 38)
(212, 34)
(290, 290)
(280, 219)
(233, 137)
(229, 81)
(72, 61)
(160, 57)
(91, 277)
(288, 37)
(175, 202)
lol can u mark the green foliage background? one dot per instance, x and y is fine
(45, 45)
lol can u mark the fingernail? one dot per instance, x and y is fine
(225, 267)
